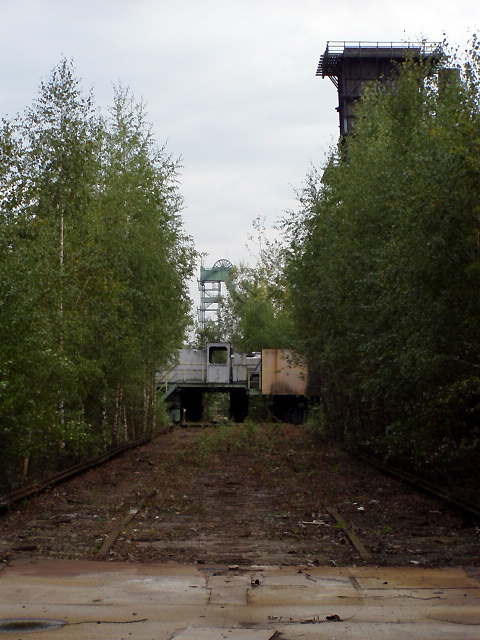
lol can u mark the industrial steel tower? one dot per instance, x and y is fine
(210, 286)
(352, 65)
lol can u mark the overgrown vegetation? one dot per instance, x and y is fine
(376, 286)
(254, 314)
(383, 271)
(262, 442)
(93, 272)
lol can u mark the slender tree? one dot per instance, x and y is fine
(149, 255)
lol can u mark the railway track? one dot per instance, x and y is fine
(468, 509)
(271, 498)
(28, 491)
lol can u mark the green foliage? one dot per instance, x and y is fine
(211, 332)
(316, 423)
(254, 313)
(93, 272)
(259, 440)
(384, 266)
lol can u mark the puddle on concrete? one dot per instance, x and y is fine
(29, 625)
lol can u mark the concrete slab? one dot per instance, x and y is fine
(222, 634)
(115, 601)
(229, 589)
(379, 578)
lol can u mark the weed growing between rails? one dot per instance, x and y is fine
(237, 437)
(273, 446)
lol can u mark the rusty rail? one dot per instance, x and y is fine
(419, 483)
(66, 474)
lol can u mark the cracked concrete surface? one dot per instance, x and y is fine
(135, 601)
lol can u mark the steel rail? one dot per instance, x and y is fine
(37, 487)
(420, 483)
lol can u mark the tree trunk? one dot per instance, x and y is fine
(125, 426)
(116, 417)
(104, 419)
(25, 468)
(146, 400)
(154, 403)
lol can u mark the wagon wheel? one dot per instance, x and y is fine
(223, 264)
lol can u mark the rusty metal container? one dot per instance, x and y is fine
(281, 375)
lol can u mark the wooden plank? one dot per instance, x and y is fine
(110, 540)
(352, 536)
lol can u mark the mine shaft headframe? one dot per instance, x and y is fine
(352, 65)
(220, 272)
(210, 286)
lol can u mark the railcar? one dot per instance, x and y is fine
(219, 368)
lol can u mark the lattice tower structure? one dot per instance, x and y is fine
(210, 287)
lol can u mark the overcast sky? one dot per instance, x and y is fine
(230, 85)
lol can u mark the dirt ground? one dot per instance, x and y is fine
(239, 495)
